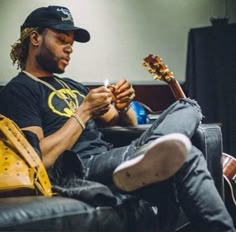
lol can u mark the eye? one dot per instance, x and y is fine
(65, 40)
(62, 39)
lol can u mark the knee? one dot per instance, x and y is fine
(190, 103)
(192, 106)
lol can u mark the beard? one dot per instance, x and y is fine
(48, 61)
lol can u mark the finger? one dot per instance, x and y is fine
(122, 86)
(131, 97)
(126, 99)
(112, 88)
(126, 94)
(120, 83)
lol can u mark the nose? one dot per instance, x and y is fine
(68, 48)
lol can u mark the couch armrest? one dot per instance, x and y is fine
(208, 138)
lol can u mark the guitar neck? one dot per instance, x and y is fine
(176, 89)
(156, 66)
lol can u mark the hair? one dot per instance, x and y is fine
(19, 50)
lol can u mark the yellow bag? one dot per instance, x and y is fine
(21, 169)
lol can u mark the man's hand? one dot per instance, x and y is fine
(123, 94)
(98, 101)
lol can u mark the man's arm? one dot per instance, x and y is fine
(114, 117)
(55, 144)
(98, 100)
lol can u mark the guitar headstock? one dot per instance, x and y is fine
(156, 66)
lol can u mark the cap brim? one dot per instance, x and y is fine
(81, 35)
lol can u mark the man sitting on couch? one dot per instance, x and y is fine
(161, 166)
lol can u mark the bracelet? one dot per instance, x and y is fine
(79, 120)
(124, 110)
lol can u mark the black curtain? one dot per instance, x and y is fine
(211, 77)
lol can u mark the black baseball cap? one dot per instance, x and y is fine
(56, 17)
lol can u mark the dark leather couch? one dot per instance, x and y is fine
(40, 213)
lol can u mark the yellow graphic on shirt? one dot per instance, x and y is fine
(65, 108)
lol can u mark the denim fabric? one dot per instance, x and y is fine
(191, 187)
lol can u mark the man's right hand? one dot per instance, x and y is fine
(97, 102)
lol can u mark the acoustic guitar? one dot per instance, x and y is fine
(156, 66)
(229, 170)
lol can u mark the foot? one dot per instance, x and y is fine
(155, 162)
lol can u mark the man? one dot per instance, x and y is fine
(161, 164)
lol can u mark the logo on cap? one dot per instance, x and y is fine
(67, 13)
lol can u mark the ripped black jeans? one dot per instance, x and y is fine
(191, 187)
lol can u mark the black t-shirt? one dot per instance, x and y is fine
(31, 103)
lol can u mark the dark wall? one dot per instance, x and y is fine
(211, 77)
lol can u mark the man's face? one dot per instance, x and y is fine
(55, 49)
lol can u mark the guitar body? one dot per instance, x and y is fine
(229, 171)
(157, 67)
(229, 202)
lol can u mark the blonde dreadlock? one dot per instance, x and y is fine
(19, 49)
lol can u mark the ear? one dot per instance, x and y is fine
(35, 38)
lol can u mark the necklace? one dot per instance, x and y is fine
(69, 98)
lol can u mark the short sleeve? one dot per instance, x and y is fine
(20, 103)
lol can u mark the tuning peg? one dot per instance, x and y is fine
(157, 77)
(168, 78)
(144, 63)
(163, 66)
(156, 64)
(150, 70)
(158, 59)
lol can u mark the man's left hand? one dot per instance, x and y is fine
(124, 94)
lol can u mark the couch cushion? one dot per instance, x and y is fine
(55, 214)
(64, 214)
